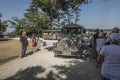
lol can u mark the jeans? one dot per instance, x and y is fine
(23, 52)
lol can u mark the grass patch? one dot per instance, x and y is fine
(10, 49)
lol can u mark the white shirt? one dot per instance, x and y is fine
(100, 42)
(86, 41)
(111, 65)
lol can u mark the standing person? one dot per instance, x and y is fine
(24, 44)
(115, 32)
(34, 43)
(100, 41)
(93, 43)
(110, 58)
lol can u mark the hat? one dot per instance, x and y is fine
(116, 29)
(114, 37)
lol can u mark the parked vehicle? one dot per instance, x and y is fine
(70, 43)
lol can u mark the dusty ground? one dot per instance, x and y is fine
(11, 49)
(44, 66)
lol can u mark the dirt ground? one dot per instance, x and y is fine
(44, 66)
(10, 49)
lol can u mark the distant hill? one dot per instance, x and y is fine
(92, 30)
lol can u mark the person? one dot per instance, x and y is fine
(93, 43)
(94, 37)
(115, 32)
(86, 42)
(24, 44)
(100, 41)
(38, 41)
(109, 56)
(34, 43)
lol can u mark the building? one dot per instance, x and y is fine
(51, 34)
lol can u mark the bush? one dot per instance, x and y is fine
(12, 34)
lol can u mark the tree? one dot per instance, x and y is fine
(49, 7)
(3, 25)
(77, 14)
(38, 20)
(54, 8)
(18, 24)
(0, 15)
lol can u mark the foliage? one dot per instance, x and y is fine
(18, 24)
(12, 34)
(3, 25)
(58, 10)
(38, 20)
(47, 14)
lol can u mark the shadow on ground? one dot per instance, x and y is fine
(78, 70)
(8, 59)
(2, 61)
(31, 73)
(50, 48)
(27, 74)
(31, 52)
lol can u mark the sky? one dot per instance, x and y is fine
(101, 14)
(97, 14)
(13, 8)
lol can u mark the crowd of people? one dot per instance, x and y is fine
(107, 53)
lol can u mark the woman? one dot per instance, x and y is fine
(100, 41)
(110, 58)
(34, 43)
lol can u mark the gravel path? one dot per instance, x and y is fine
(44, 66)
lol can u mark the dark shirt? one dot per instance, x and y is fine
(95, 36)
(24, 41)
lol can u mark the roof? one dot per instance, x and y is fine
(51, 30)
(73, 25)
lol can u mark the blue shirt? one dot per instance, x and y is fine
(111, 64)
(24, 41)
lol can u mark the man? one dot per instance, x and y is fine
(24, 44)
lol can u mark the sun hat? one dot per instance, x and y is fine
(115, 29)
(114, 37)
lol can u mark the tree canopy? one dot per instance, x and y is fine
(3, 25)
(45, 14)
(59, 9)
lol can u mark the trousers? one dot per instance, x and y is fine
(23, 52)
